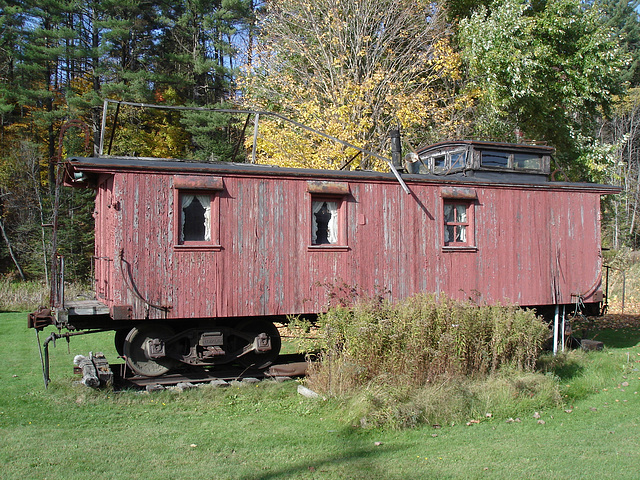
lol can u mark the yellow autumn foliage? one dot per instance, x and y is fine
(346, 78)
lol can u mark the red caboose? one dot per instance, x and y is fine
(194, 262)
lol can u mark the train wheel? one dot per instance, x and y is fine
(119, 339)
(250, 330)
(137, 346)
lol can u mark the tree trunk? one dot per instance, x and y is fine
(13, 257)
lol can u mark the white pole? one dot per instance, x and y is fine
(103, 127)
(563, 326)
(555, 330)
(255, 137)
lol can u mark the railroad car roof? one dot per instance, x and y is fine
(481, 144)
(142, 165)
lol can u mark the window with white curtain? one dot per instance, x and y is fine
(324, 222)
(195, 217)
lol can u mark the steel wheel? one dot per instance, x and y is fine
(119, 339)
(136, 346)
(251, 329)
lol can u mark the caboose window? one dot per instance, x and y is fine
(327, 217)
(457, 227)
(511, 160)
(527, 161)
(195, 218)
(196, 212)
(439, 162)
(495, 159)
(457, 160)
(324, 222)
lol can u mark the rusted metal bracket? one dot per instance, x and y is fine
(260, 344)
(52, 338)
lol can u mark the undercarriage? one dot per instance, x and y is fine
(155, 347)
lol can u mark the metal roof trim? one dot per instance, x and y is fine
(169, 166)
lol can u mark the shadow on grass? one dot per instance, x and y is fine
(353, 463)
(561, 366)
(624, 338)
(614, 330)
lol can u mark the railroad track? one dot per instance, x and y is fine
(285, 367)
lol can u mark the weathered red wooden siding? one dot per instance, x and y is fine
(104, 238)
(535, 245)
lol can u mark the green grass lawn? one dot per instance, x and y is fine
(268, 431)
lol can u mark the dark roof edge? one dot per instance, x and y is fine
(171, 166)
(487, 144)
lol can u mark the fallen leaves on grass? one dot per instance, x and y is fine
(613, 321)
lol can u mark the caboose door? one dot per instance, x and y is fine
(104, 215)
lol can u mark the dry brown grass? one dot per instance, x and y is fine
(18, 296)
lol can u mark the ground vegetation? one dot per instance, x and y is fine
(70, 431)
(402, 363)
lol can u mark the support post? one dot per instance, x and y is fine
(564, 318)
(556, 321)
(255, 138)
(396, 149)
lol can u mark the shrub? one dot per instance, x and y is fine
(421, 340)
(431, 360)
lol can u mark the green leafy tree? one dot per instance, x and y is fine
(459, 9)
(545, 71)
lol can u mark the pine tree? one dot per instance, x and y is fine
(622, 16)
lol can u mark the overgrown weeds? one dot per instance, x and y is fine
(21, 296)
(430, 360)
(422, 339)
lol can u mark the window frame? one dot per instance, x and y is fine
(429, 162)
(455, 197)
(337, 192)
(199, 186)
(511, 161)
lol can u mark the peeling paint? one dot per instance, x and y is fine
(533, 245)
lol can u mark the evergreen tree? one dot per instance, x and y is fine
(622, 16)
